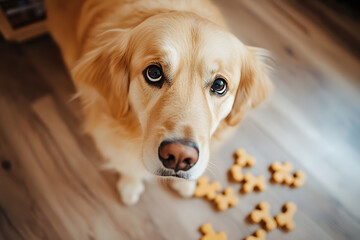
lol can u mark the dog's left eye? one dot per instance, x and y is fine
(153, 75)
(219, 87)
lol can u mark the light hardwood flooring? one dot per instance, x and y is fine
(51, 186)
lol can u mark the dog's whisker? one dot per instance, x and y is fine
(211, 172)
(210, 169)
(212, 164)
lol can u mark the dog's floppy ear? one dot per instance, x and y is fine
(105, 69)
(254, 86)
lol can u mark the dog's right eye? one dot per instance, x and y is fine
(153, 75)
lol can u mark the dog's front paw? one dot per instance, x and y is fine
(185, 188)
(130, 190)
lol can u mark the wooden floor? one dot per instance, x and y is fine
(51, 187)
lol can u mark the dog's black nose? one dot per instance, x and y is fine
(178, 155)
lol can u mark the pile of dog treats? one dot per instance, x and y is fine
(224, 199)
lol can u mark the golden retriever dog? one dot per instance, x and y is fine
(159, 80)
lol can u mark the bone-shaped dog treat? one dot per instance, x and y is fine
(252, 182)
(236, 173)
(260, 234)
(285, 219)
(243, 159)
(206, 189)
(299, 179)
(209, 233)
(226, 200)
(262, 213)
(282, 172)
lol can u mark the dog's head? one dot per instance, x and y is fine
(181, 75)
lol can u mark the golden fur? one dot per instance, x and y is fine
(106, 45)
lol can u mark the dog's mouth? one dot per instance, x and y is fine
(171, 173)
